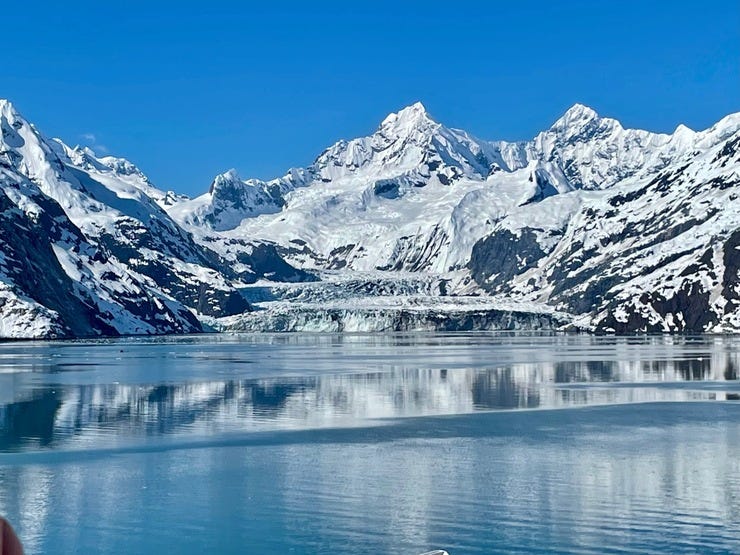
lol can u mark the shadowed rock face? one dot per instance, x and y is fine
(32, 267)
(501, 256)
(731, 275)
(32, 270)
(266, 262)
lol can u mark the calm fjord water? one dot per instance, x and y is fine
(475, 443)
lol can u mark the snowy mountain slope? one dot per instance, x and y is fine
(89, 250)
(370, 202)
(408, 150)
(230, 199)
(54, 283)
(416, 196)
(658, 253)
(108, 200)
(592, 152)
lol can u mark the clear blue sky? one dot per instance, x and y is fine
(189, 92)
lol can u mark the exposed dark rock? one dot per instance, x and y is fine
(35, 271)
(266, 262)
(496, 259)
(386, 188)
(731, 275)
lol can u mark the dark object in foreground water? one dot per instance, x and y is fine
(9, 543)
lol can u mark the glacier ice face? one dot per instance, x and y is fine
(384, 302)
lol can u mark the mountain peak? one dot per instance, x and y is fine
(228, 177)
(11, 122)
(8, 110)
(410, 117)
(577, 114)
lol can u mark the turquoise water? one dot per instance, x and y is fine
(474, 443)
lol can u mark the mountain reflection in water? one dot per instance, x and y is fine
(117, 392)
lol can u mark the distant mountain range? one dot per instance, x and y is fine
(416, 227)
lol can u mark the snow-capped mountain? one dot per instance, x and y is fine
(415, 226)
(497, 217)
(229, 200)
(416, 195)
(656, 252)
(89, 250)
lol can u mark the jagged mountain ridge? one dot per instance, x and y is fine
(89, 250)
(516, 221)
(416, 196)
(659, 253)
(414, 160)
(581, 150)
